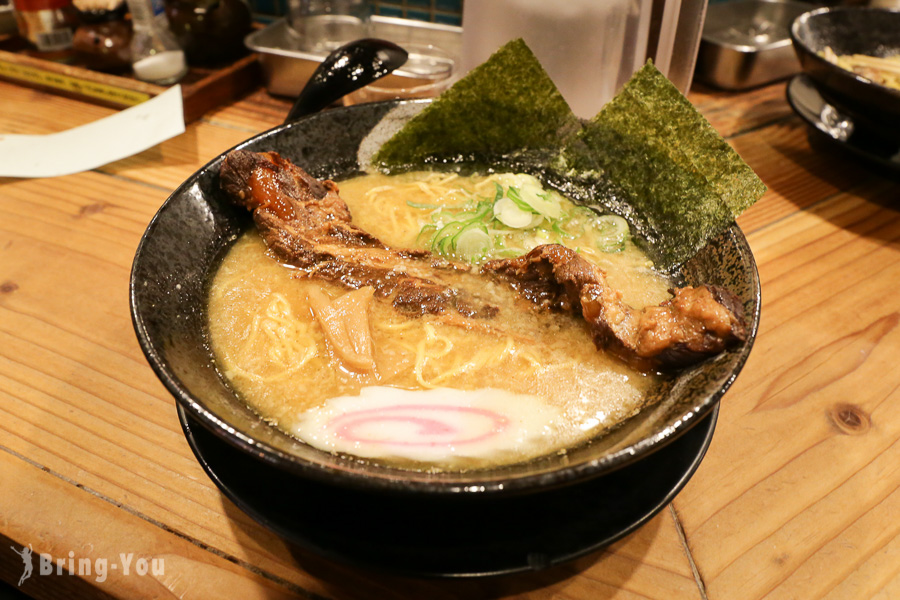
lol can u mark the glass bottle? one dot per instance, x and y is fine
(103, 40)
(156, 56)
(211, 32)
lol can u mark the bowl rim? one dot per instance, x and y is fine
(400, 481)
(848, 76)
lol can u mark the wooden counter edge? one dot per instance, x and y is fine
(55, 517)
(214, 88)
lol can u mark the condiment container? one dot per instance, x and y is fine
(156, 56)
(103, 41)
(49, 26)
(210, 31)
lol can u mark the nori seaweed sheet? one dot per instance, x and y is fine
(682, 179)
(703, 147)
(506, 105)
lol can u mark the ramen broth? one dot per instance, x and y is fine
(522, 384)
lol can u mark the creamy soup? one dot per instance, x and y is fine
(441, 393)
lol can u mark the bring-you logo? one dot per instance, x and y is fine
(97, 568)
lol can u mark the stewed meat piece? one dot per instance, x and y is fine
(696, 323)
(306, 224)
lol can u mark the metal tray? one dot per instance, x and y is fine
(286, 69)
(747, 43)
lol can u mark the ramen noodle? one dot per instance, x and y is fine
(883, 71)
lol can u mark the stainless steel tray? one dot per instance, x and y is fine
(286, 68)
(746, 43)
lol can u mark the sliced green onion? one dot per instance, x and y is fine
(483, 209)
(562, 233)
(513, 194)
(498, 192)
(508, 212)
(519, 216)
(424, 236)
(445, 234)
(535, 221)
(529, 191)
(612, 233)
(472, 242)
(543, 203)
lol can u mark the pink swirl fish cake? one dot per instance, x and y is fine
(442, 425)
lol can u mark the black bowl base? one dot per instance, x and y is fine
(451, 536)
(838, 127)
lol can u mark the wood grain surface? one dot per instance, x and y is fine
(797, 497)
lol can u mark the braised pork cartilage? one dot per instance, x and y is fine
(696, 323)
(306, 224)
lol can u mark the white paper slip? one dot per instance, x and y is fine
(95, 144)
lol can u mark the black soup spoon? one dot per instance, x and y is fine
(347, 69)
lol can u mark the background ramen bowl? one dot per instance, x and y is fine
(850, 30)
(188, 237)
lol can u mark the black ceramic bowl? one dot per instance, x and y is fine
(188, 237)
(850, 30)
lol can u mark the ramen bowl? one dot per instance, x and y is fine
(187, 239)
(847, 31)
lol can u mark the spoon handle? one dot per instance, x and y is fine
(346, 69)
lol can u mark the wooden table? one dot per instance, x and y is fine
(797, 497)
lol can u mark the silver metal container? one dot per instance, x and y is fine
(747, 43)
(286, 68)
